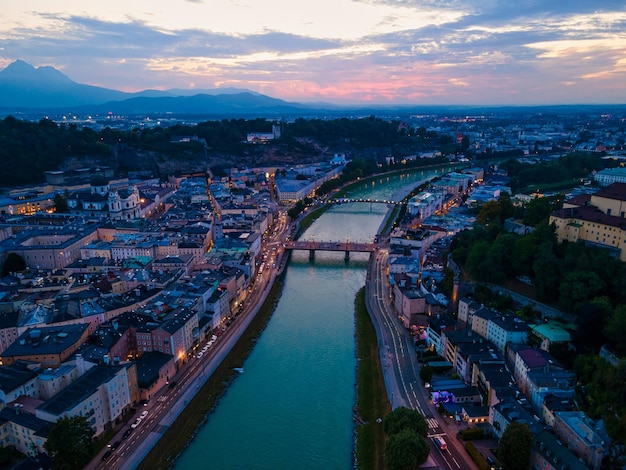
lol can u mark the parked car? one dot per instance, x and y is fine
(127, 433)
(115, 445)
(106, 455)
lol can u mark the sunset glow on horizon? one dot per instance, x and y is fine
(339, 51)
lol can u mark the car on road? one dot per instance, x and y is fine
(127, 433)
(106, 455)
(136, 423)
(115, 445)
(144, 413)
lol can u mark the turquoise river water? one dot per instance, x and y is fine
(292, 406)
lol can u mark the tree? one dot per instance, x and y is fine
(404, 418)
(406, 450)
(546, 272)
(506, 204)
(514, 447)
(426, 373)
(590, 321)
(538, 210)
(70, 443)
(615, 329)
(60, 203)
(490, 212)
(13, 264)
(579, 287)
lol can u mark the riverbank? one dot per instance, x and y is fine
(372, 400)
(182, 432)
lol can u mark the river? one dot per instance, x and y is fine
(292, 405)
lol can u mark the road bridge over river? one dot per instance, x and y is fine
(347, 247)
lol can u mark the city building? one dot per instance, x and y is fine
(586, 438)
(609, 176)
(48, 346)
(550, 453)
(598, 220)
(101, 394)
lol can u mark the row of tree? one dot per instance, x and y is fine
(31, 148)
(580, 279)
(406, 446)
(570, 167)
(571, 273)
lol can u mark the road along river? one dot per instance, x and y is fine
(291, 407)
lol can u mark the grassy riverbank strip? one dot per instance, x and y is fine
(178, 436)
(372, 399)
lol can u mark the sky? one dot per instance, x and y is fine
(448, 52)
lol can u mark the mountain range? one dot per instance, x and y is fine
(45, 90)
(24, 88)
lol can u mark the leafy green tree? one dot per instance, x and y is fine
(70, 443)
(13, 264)
(405, 418)
(514, 447)
(615, 329)
(502, 251)
(490, 212)
(546, 272)
(590, 320)
(426, 373)
(475, 259)
(406, 450)
(60, 203)
(506, 205)
(522, 255)
(537, 210)
(579, 287)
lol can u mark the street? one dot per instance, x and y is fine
(168, 403)
(401, 369)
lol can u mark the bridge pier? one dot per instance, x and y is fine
(347, 256)
(311, 255)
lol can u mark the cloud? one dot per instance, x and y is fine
(371, 50)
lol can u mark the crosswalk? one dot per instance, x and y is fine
(432, 423)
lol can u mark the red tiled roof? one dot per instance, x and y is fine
(591, 214)
(533, 358)
(613, 191)
(580, 200)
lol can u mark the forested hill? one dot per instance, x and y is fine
(29, 149)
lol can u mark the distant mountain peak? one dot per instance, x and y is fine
(19, 65)
(23, 86)
(23, 71)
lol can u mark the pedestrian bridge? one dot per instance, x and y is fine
(346, 247)
(346, 200)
